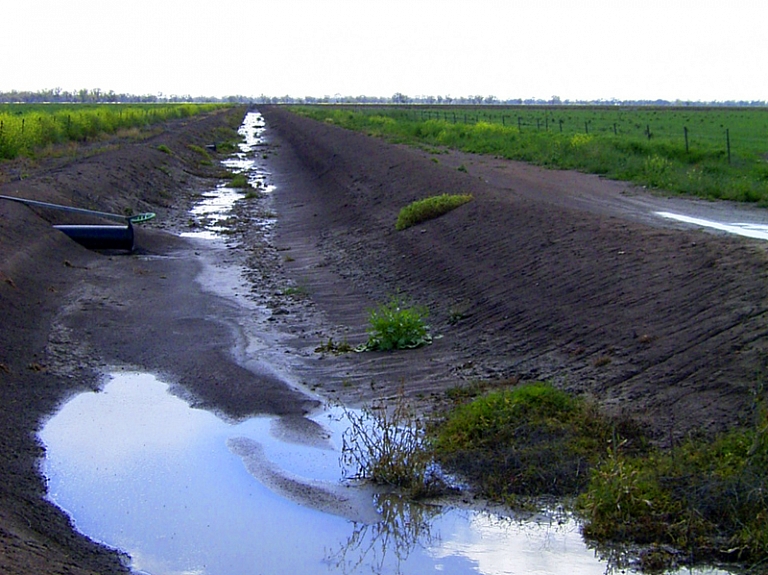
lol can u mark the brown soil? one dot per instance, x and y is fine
(545, 275)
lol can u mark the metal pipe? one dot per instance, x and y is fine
(100, 237)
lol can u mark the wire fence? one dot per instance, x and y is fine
(731, 131)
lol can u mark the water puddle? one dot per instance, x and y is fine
(750, 230)
(212, 215)
(184, 492)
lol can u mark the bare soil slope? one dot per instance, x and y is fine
(554, 276)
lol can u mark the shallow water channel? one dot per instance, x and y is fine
(184, 492)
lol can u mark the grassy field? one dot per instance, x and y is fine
(27, 128)
(716, 153)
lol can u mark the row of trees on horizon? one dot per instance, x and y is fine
(97, 96)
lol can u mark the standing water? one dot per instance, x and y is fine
(184, 492)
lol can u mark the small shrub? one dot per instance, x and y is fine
(165, 149)
(429, 208)
(396, 325)
(386, 445)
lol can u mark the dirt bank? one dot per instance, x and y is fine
(555, 275)
(535, 279)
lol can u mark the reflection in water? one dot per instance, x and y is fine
(404, 525)
(140, 470)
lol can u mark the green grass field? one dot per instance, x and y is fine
(27, 128)
(716, 153)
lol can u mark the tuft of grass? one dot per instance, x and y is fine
(165, 149)
(429, 208)
(528, 441)
(396, 325)
(238, 181)
(708, 497)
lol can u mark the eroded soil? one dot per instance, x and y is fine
(545, 275)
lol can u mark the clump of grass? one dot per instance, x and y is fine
(238, 181)
(396, 325)
(529, 441)
(708, 497)
(165, 149)
(429, 208)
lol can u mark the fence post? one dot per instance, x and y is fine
(615, 132)
(648, 131)
(586, 127)
(685, 131)
(519, 124)
(728, 143)
(561, 126)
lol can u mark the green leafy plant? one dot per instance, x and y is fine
(165, 149)
(429, 208)
(396, 325)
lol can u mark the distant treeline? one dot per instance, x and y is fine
(97, 96)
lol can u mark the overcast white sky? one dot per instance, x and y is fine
(575, 49)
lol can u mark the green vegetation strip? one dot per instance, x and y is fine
(429, 208)
(706, 498)
(26, 128)
(712, 153)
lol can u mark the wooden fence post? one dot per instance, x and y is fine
(685, 131)
(728, 143)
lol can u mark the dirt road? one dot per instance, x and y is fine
(543, 276)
